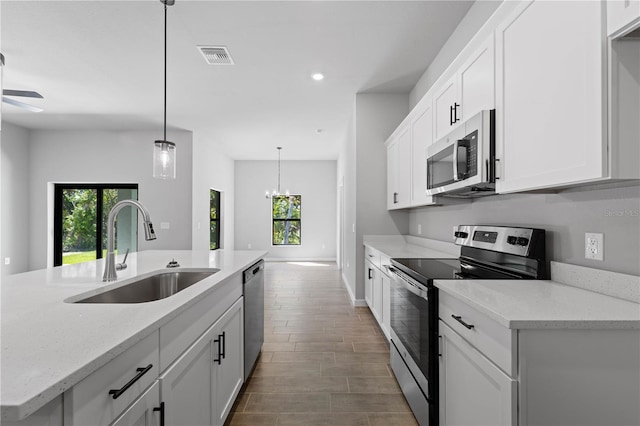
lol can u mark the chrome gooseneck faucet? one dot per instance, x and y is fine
(149, 234)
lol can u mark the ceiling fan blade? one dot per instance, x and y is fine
(21, 105)
(23, 93)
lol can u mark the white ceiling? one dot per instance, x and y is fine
(98, 65)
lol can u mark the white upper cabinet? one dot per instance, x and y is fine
(421, 138)
(622, 16)
(445, 104)
(399, 169)
(470, 90)
(549, 96)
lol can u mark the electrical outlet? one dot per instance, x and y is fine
(594, 246)
(7, 260)
(165, 225)
(419, 229)
(249, 245)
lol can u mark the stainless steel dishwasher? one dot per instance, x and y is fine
(253, 291)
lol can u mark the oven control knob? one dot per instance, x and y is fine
(460, 234)
(522, 241)
(512, 240)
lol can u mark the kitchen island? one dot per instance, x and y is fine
(49, 345)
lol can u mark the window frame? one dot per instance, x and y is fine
(57, 213)
(217, 219)
(274, 220)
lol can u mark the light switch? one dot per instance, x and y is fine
(7, 260)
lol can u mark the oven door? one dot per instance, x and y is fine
(414, 322)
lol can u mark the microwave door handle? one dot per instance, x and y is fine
(455, 161)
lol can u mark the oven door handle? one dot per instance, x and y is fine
(409, 286)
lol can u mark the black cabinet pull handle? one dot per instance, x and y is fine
(455, 112)
(161, 409)
(219, 359)
(459, 319)
(451, 115)
(395, 198)
(141, 372)
(370, 271)
(224, 341)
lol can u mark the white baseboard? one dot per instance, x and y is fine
(352, 297)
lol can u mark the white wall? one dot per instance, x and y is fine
(212, 169)
(109, 157)
(314, 180)
(15, 199)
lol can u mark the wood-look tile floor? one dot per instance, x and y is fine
(324, 362)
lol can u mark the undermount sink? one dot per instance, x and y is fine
(152, 287)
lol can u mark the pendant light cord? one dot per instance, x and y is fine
(279, 170)
(165, 72)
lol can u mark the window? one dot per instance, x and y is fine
(214, 218)
(285, 213)
(80, 221)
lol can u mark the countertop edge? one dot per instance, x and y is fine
(17, 412)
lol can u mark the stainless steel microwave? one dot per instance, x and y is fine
(462, 164)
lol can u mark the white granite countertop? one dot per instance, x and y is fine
(48, 345)
(540, 304)
(529, 304)
(411, 247)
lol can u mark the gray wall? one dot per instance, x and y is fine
(363, 166)
(15, 199)
(212, 169)
(565, 216)
(314, 180)
(108, 157)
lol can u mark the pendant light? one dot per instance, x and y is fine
(276, 192)
(164, 151)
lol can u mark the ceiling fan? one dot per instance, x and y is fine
(21, 94)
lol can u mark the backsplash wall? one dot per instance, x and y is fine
(566, 216)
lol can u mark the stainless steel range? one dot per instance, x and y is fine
(487, 252)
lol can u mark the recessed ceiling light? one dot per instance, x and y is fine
(317, 76)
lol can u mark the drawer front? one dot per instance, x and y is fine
(90, 403)
(180, 333)
(372, 256)
(494, 341)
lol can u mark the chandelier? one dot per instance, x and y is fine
(276, 192)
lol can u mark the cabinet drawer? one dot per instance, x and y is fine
(89, 402)
(490, 338)
(180, 333)
(372, 256)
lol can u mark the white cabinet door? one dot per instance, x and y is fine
(368, 283)
(187, 385)
(392, 175)
(622, 15)
(445, 101)
(473, 391)
(421, 138)
(386, 305)
(377, 294)
(549, 103)
(229, 369)
(476, 81)
(146, 411)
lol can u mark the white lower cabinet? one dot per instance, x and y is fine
(377, 288)
(146, 411)
(200, 387)
(492, 375)
(473, 391)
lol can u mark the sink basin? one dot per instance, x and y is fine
(153, 287)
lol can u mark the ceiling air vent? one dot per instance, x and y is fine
(216, 55)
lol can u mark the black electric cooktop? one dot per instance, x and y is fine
(426, 270)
